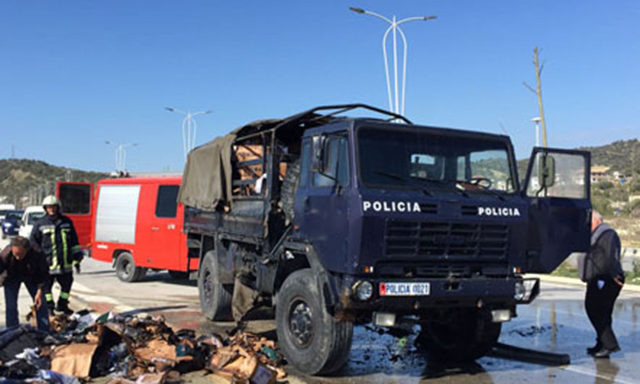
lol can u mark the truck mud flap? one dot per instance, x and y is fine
(511, 352)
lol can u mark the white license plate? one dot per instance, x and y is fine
(404, 289)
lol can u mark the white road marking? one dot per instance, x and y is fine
(615, 319)
(591, 373)
(79, 289)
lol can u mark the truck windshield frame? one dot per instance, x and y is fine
(406, 157)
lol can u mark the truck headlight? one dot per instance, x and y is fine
(363, 290)
(500, 315)
(520, 291)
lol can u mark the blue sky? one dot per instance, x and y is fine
(76, 73)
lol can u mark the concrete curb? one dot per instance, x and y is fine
(577, 282)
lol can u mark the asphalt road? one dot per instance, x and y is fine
(555, 322)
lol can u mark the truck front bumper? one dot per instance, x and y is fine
(345, 297)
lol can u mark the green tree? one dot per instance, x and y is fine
(602, 205)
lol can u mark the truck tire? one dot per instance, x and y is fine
(307, 334)
(215, 297)
(126, 268)
(464, 336)
(289, 188)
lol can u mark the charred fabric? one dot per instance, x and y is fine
(128, 349)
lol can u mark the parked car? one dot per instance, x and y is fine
(4, 208)
(11, 223)
(30, 216)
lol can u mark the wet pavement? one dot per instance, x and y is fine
(555, 322)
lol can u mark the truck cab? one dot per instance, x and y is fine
(360, 220)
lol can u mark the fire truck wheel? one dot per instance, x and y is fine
(309, 337)
(126, 268)
(462, 335)
(215, 297)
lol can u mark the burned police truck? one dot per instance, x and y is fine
(338, 221)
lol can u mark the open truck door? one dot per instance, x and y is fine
(76, 201)
(558, 188)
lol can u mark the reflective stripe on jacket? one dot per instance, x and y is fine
(56, 238)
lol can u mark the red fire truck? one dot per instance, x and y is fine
(76, 199)
(134, 223)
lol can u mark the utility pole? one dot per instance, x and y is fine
(538, 92)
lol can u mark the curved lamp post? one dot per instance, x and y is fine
(394, 26)
(189, 128)
(121, 155)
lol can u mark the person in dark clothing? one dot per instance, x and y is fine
(19, 263)
(601, 270)
(55, 236)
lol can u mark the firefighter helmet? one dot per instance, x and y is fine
(50, 200)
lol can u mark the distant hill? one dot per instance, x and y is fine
(622, 156)
(32, 179)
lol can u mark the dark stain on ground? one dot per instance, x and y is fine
(531, 331)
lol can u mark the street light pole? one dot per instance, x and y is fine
(536, 120)
(189, 128)
(394, 26)
(121, 155)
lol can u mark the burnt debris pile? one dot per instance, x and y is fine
(132, 349)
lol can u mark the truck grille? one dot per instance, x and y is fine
(446, 240)
(439, 269)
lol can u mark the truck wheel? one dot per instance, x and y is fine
(466, 335)
(215, 297)
(309, 337)
(289, 188)
(126, 269)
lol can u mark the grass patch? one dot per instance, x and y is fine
(566, 270)
(633, 276)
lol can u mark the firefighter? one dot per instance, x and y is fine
(56, 237)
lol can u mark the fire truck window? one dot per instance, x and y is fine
(75, 198)
(167, 203)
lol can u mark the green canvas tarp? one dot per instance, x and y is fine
(206, 180)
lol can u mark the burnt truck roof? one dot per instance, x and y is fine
(313, 121)
(370, 122)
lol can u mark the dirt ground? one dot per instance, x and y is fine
(628, 228)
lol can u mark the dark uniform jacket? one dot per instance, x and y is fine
(56, 238)
(603, 260)
(33, 269)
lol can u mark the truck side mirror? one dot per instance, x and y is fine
(318, 144)
(547, 171)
